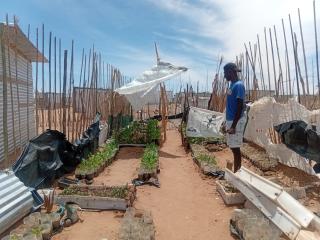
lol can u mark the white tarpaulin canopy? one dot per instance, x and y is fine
(142, 89)
(204, 123)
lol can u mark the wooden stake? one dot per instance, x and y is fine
(304, 52)
(280, 80)
(11, 91)
(49, 94)
(267, 55)
(295, 59)
(43, 98)
(316, 40)
(273, 64)
(55, 84)
(37, 99)
(287, 56)
(65, 69)
(4, 96)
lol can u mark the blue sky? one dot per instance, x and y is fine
(191, 33)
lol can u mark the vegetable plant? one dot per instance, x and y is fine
(150, 157)
(207, 159)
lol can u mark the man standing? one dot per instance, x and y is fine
(235, 120)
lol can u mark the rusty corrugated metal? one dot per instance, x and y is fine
(15, 200)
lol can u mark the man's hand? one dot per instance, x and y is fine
(231, 130)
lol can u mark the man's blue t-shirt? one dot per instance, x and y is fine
(235, 90)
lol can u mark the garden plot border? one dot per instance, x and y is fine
(97, 202)
(230, 198)
(96, 172)
(206, 169)
(265, 164)
(145, 175)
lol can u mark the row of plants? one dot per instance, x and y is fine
(207, 159)
(112, 192)
(139, 133)
(95, 163)
(149, 161)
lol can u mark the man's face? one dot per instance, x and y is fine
(228, 74)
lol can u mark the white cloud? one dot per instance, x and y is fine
(235, 22)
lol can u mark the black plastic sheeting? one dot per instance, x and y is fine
(300, 138)
(50, 155)
(175, 116)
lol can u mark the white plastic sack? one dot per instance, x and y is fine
(204, 123)
(139, 91)
(266, 113)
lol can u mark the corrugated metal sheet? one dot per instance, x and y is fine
(15, 200)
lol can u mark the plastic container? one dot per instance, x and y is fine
(45, 218)
(30, 236)
(15, 236)
(31, 221)
(55, 218)
(46, 230)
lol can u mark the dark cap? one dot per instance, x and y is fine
(231, 66)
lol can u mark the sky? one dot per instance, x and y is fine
(190, 33)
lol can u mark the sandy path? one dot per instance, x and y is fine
(186, 206)
(123, 170)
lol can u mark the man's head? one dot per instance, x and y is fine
(231, 71)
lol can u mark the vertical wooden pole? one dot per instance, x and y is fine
(304, 53)
(287, 56)
(8, 58)
(4, 96)
(267, 55)
(316, 41)
(55, 83)
(274, 67)
(65, 69)
(37, 99)
(60, 86)
(295, 59)
(43, 98)
(280, 81)
(49, 93)
(261, 65)
(28, 102)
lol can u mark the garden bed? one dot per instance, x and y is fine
(149, 166)
(258, 157)
(95, 164)
(206, 162)
(139, 133)
(99, 197)
(229, 194)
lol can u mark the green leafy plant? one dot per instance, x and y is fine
(95, 161)
(113, 192)
(153, 131)
(150, 157)
(207, 159)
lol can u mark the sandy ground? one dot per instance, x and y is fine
(186, 206)
(96, 226)
(123, 170)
